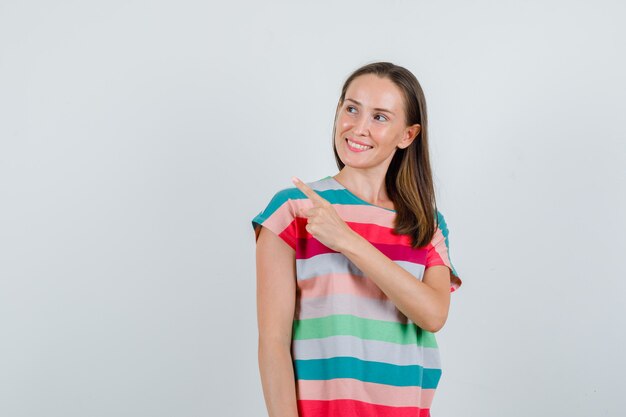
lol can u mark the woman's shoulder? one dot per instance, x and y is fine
(293, 193)
(441, 222)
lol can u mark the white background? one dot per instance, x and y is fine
(139, 138)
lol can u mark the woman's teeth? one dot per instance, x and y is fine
(357, 146)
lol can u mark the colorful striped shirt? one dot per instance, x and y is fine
(354, 353)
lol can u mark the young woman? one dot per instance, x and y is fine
(353, 272)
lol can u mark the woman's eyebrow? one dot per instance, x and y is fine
(376, 109)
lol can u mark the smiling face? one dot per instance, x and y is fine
(371, 124)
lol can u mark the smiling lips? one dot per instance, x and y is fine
(357, 147)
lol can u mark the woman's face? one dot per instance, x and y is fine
(371, 123)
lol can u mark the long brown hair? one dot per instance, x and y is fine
(409, 179)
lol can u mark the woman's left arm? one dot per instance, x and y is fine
(424, 302)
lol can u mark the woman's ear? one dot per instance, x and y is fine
(410, 134)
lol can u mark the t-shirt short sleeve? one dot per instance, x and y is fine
(439, 252)
(279, 217)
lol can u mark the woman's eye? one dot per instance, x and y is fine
(350, 109)
(380, 118)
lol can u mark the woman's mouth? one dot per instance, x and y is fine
(356, 147)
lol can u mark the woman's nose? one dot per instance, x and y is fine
(361, 126)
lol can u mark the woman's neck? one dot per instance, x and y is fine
(367, 185)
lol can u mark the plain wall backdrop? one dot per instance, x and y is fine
(139, 138)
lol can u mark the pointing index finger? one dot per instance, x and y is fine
(308, 191)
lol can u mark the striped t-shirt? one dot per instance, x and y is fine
(354, 353)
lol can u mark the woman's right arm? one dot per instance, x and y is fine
(276, 295)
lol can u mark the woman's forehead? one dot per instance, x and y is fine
(371, 90)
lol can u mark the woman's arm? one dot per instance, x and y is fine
(425, 302)
(276, 294)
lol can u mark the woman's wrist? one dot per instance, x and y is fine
(351, 242)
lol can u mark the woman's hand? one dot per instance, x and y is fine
(323, 222)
